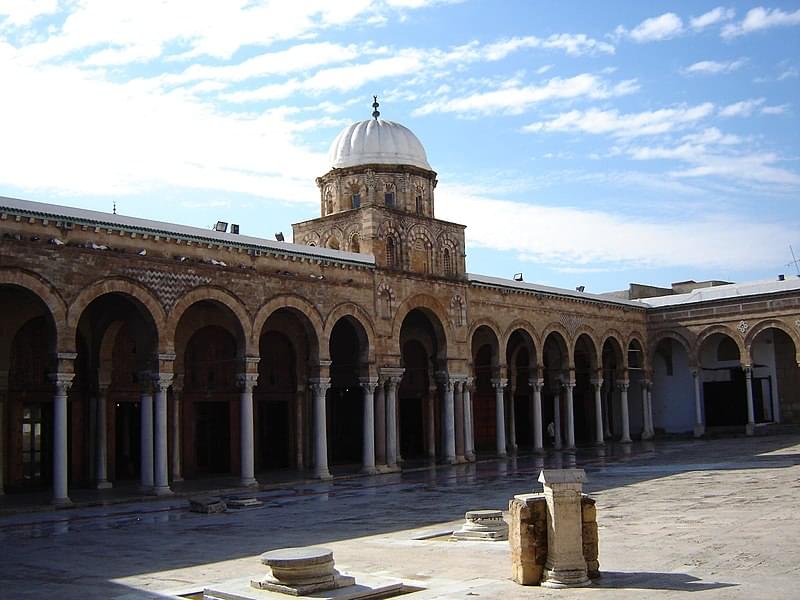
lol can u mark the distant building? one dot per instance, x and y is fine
(146, 351)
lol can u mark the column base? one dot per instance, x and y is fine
(146, 489)
(461, 460)
(62, 502)
(699, 430)
(502, 454)
(177, 479)
(104, 485)
(647, 435)
(249, 482)
(161, 490)
(388, 468)
(750, 429)
(626, 440)
(471, 456)
(565, 578)
(369, 471)
(449, 460)
(324, 475)
(599, 443)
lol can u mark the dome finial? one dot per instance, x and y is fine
(375, 113)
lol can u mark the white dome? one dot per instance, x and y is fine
(376, 141)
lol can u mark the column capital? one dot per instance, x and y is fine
(162, 381)
(646, 384)
(598, 383)
(368, 384)
(536, 383)
(247, 381)
(695, 371)
(63, 381)
(623, 385)
(499, 383)
(569, 384)
(748, 371)
(320, 384)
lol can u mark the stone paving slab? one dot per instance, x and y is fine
(717, 516)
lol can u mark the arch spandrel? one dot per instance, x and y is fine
(126, 287)
(50, 297)
(361, 316)
(527, 328)
(213, 294)
(765, 325)
(702, 337)
(291, 301)
(426, 303)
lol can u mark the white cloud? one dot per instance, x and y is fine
(624, 125)
(515, 99)
(760, 18)
(789, 73)
(778, 109)
(711, 67)
(654, 29)
(712, 17)
(22, 12)
(745, 108)
(598, 237)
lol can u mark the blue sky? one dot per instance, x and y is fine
(582, 143)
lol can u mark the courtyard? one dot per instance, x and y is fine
(714, 516)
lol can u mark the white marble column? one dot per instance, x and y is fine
(536, 414)
(647, 411)
(751, 419)
(608, 400)
(3, 401)
(448, 421)
(623, 403)
(557, 419)
(161, 384)
(247, 381)
(499, 386)
(101, 447)
(177, 389)
(569, 388)
(458, 400)
(430, 409)
(146, 438)
(320, 388)
(368, 454)
(469, 427)
(699, 425)
(380, 422)
(63, 381)
(299, 429)
(391, 421)
(512, 417)
(598, 411)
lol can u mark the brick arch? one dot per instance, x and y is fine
(677, 336)
(489, 324)
(432, 305)
(744, 356)
(523, 325)
(585, 330)
(569, 343)
(292, 301)
(766, 324)
(355, 312)
(48, 294)
(615, 335)
(214, 294)
(126, 287)
(635, 335)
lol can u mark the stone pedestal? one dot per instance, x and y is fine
(301, 571)
(484, 525)
(527, 537)
(565, 566)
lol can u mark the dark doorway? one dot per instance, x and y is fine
(127, 440)
(274, 428)
(412, 394)
(726, 401)
(345, 414)
(212, 437)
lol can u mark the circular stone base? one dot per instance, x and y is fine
(293, 566)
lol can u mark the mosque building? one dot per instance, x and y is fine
(146, 352)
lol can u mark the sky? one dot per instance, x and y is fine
(582, 143)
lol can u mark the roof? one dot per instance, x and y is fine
(377, 141)
(726, 292)
(545, 289)
(94, 218)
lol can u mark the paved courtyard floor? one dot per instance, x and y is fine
(717, 518)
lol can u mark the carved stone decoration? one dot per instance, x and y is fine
(457, 311)
(386, 300)
(797, 323)
(743, 326)
(570, 322)
(166, 285)
(370, 177)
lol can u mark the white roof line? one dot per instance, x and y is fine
(726, 292)
(80, 215)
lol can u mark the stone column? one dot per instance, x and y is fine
(598, 411)
(101, 449)
(430, 408)
(320, 387)
(536, 414)
(469, 427)
(146, 436)
(647, 411)
(557, 419)
(458, 399)
(500, 415)
(569, 388)
(177, 389)
(380, 422)
(247, 381)
(299, 429)
(62, 381)
(512, 418)
(448, 421)
(3, 400)
(751, 419)
(565, 565)
(608, 399)
(699, 426)
(391, 421)
(161, 384)
(368, 455)
(623, 403)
